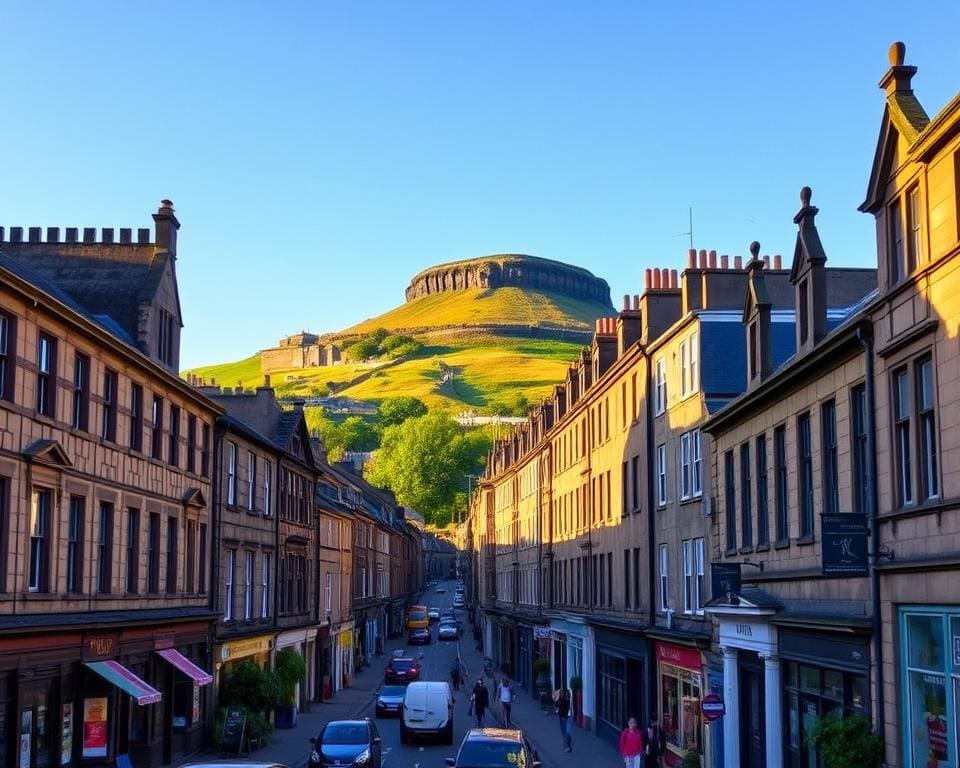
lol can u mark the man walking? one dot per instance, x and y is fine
(505, 697)
(655, 744)
(562, 707)
(480, 698)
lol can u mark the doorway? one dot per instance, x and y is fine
(38, 729)
(752, 732)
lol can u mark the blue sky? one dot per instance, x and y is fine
(320, 154)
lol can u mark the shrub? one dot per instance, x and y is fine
(846, 742)
(541, 666)
(289, 669)
(690, 760)
(576, 683)
(248, 687)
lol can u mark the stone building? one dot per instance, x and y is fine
(300, 350)
(105, 484)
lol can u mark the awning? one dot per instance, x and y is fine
(186, 666)
(114, 672)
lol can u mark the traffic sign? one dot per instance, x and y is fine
(712, 707)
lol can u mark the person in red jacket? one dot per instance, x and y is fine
(631, 744)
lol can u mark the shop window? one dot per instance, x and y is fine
(612, 704)
(930, 695)
(680, 715)
(186, 704)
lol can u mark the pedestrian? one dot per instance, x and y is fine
(631, 744)
(505, 697)
(480, 699)
(562, 707)
(655, 744)
(455, 675)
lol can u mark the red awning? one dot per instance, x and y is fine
(186, 666)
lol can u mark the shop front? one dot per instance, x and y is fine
(574, 638)
(621, 660)
(304, 641)
(343, 656)
(929, 670)
(85, 697)
(523, 671)
(680, 685)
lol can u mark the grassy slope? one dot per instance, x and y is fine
(485, 369)
(479, 306)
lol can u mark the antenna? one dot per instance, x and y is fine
(689, 231)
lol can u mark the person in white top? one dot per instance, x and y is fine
(505, 697)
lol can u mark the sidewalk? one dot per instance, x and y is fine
(292, 746)
(541, 726)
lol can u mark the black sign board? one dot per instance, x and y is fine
(844, 544)
(233, 726)
(724, 579)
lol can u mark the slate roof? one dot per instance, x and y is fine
(102, 282)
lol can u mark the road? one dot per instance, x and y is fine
(436, 661)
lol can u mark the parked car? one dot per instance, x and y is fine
(447, 615)
(389, 700)
(495, 748)
(448, 631)
(401, 669)
(234, 764)
(458, 601)
(433, 615)
(427, 711)
(419, 636)
(347, 743)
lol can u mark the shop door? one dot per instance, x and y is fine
(635, 689)
(560, 679)
(523, 662)
(38, 729)
(752, 736)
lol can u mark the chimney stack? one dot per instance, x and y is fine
(756, 320)
(166, 225)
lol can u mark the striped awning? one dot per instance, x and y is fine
(125, 680)
(186, 666)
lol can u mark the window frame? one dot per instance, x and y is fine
(156, 426)
(805, 491)
(75, 544)
(173, 453)
(660, 368)
(46, 394)
(664, 565)
(763, 491)
(781, 484)
(136, 417)
(662, 475)
(132, 572)
(80, 412)
(902, 429)
(228, 574)
(928, 462)
(8, 356)
(104, 585)
(231, 473)
(746, 497)
(830, 469)
(108, 422)
(38, 574)
(730, 500)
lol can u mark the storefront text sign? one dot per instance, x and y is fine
(725, 579)
(712, 707)
(844, 544)
(345, 639)
(99, 647)
(95, 727)
(677, 656)
(240, 648)
(542, 633)
(163, 640)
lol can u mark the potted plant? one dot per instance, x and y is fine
(252, 691)
(576, 687)
(690, 760)
(290, 669)
(541, 668)
(846, 742)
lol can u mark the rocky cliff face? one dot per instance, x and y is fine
(512, 270)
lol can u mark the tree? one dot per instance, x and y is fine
(424, 461)
(356, 434)
(396, 410)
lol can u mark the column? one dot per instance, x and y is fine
(731, 702)
(773, 709)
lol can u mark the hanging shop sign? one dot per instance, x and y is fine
(843, 544)
(725, 579)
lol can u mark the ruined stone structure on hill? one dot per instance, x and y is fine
(300, 350)
(513, 270)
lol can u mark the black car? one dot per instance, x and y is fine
(347, 743)
(495, 748)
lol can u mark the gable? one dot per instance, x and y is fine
(884, 161)
(47, 452)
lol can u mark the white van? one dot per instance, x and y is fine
(427, 711)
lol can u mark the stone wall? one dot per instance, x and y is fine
(515, 271)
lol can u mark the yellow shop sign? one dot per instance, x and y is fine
(249, 646)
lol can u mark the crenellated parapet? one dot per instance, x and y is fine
(510, 270)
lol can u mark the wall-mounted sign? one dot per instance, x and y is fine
(725, 579)
(99, 647)
(712, 707)
(542, 633)
(843, 544)
(95, 727)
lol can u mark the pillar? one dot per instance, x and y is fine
(773, 709)
(731, 702)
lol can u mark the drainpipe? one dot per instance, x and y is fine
(216, 534)
(864, 336)
(651, 529)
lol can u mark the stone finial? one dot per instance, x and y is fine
(897, 54)
(755, 247)
(805, 196)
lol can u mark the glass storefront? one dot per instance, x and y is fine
(612, 695)
(679, 693)
(930, 663)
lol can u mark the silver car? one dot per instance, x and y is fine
(390, 699)
(448, 631)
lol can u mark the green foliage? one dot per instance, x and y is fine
(511, 404)
(846, 742)
(396, 410)
(690, 760)
(576, 683)
(257, 725)
(541, 666)
(424, 461)
(354, 433)
(248, 687)
(289, 669)
(362, 350)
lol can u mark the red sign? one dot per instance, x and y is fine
(99, 647)
(678, 656)
(712, 707)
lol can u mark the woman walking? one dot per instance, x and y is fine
(631, 744)
(562, 707)
(654, 743)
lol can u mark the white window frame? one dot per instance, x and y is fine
(698, 547)
(363, 580)
(684, 366)
(664, 578)
(251, 481)
(661, 385)
(686, 467)
(248, 586)
(267, 480)
(688, 598)
(661, 475)
(328, 590)
(232, 474)
(694, 369)
(265, 586)
(228, 585)
(697, 474)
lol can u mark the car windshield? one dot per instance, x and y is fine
(393, 690)
(447, 625)
(418, 615)
(401, 665)
(492, 754)
(344, 733)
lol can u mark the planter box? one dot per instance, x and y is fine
(285, 717)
